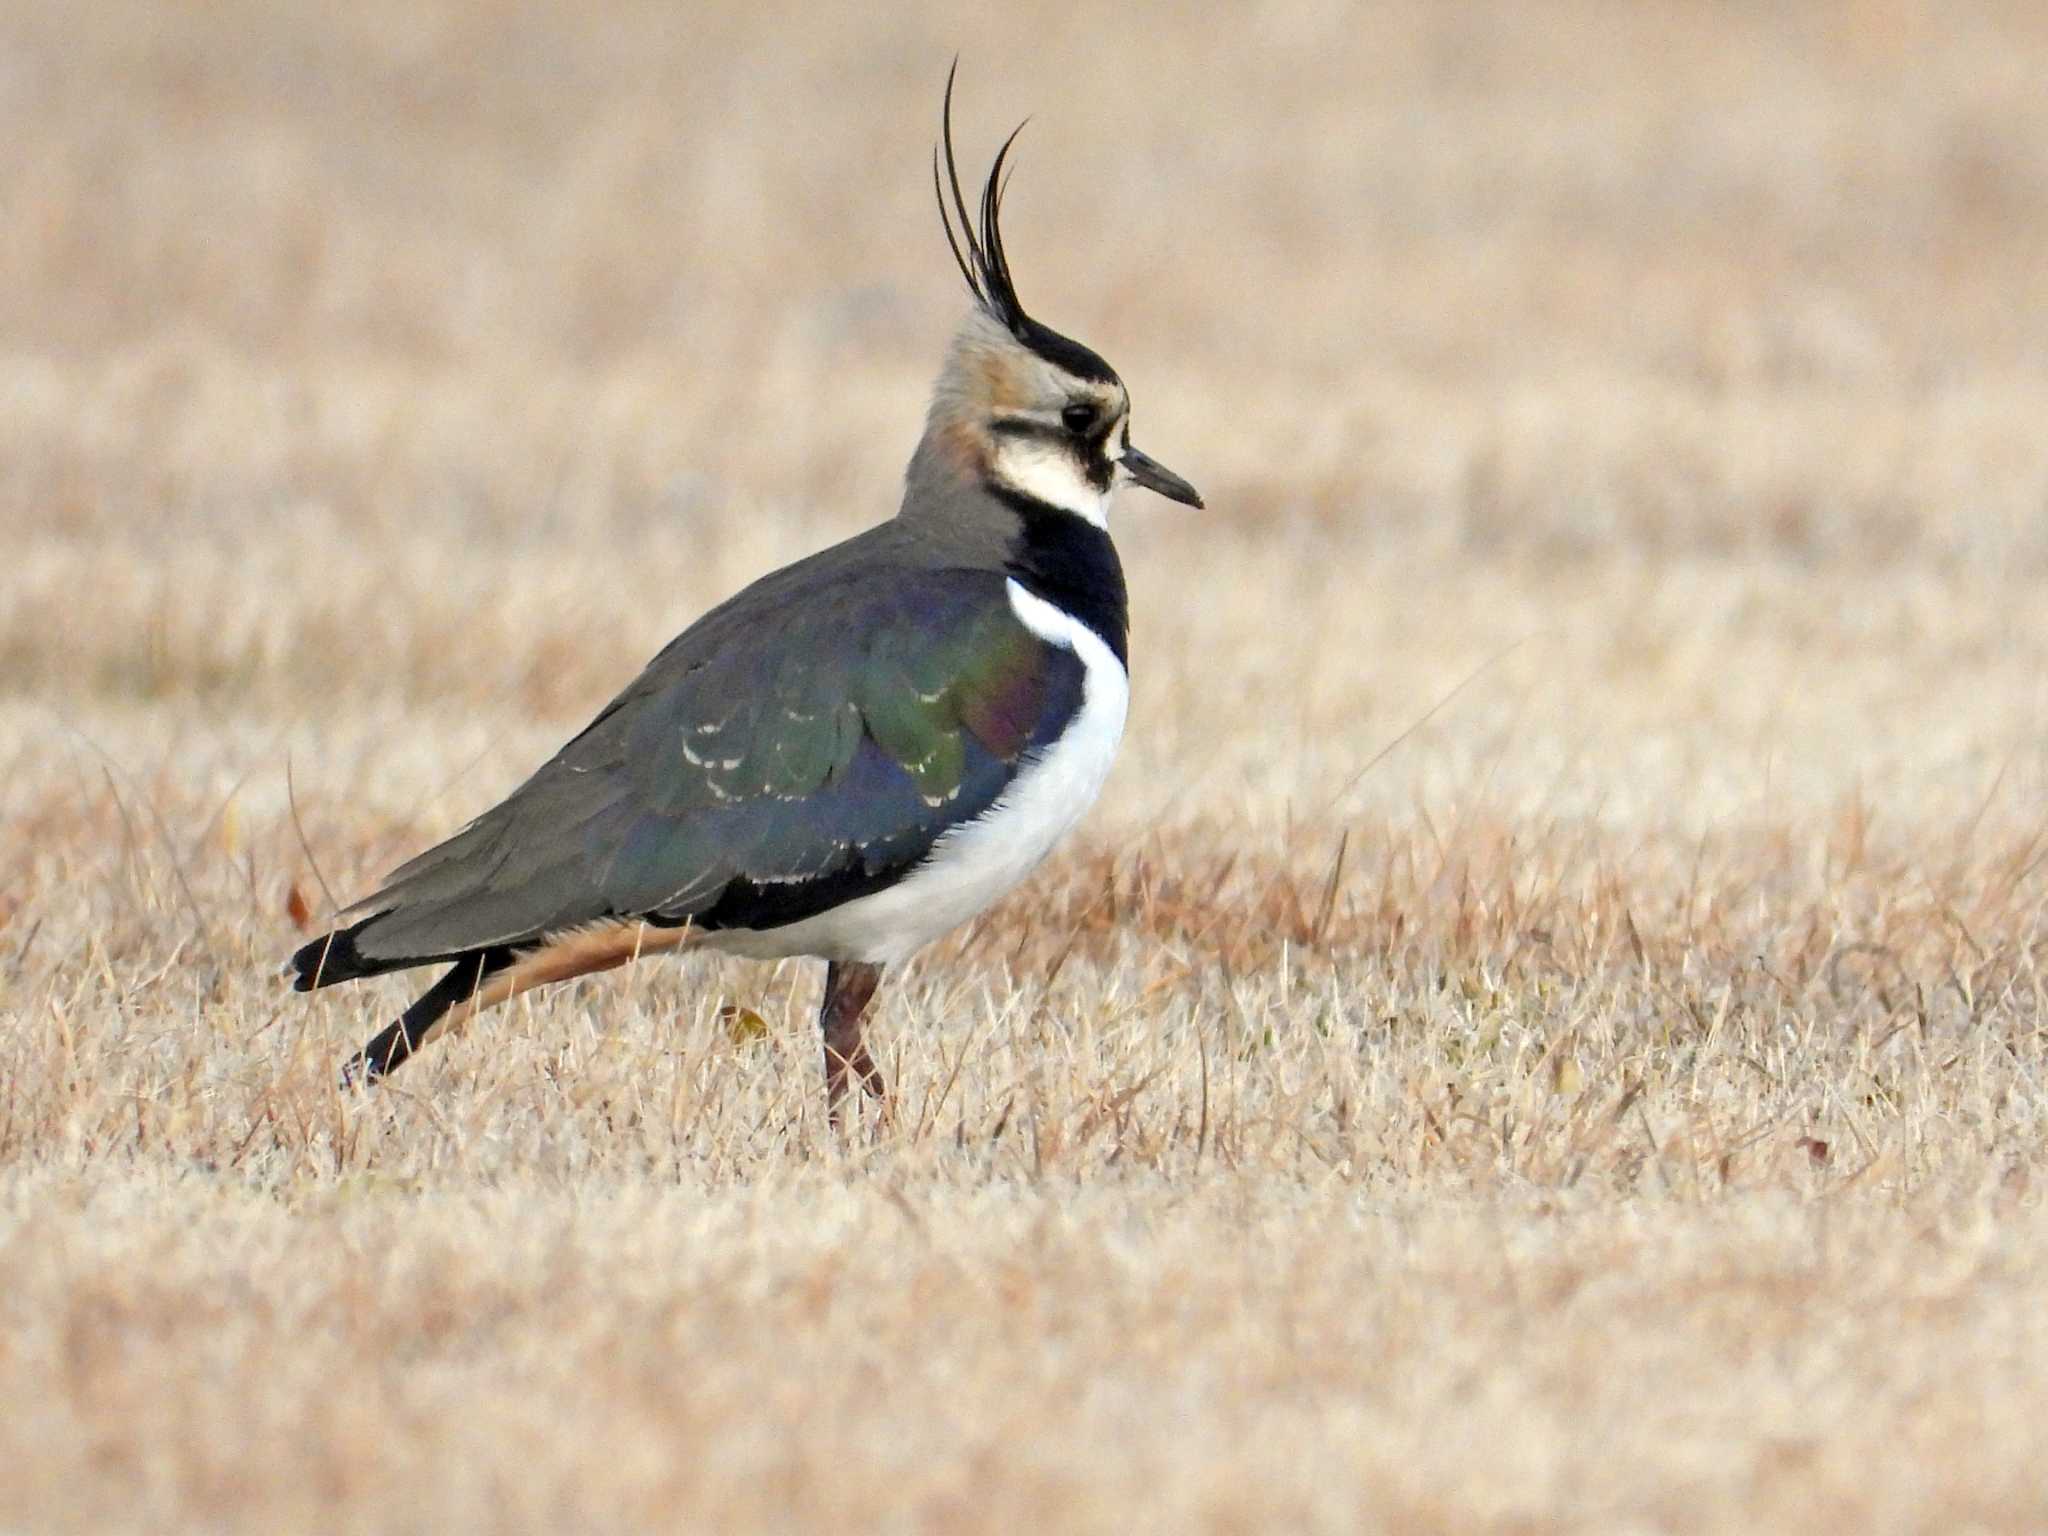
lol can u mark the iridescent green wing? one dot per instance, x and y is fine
(758, 772)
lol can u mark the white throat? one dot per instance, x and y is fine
(1045, 472)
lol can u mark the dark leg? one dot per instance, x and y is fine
(849, 984)
(389, 1050)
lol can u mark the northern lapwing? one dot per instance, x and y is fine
(853, 755)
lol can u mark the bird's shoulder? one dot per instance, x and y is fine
(771, 692)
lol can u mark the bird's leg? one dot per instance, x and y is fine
(849, 984)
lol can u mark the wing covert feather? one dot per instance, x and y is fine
(756, 771)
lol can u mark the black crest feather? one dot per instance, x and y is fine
(978, 250)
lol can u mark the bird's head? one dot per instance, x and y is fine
(1033, 414)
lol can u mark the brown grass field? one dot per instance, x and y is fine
(1545, 1031)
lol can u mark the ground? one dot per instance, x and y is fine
(1545, 1029)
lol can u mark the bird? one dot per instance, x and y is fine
(854, 754)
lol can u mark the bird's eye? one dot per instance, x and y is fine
(1079, 418)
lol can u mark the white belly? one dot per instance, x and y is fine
(980, 860)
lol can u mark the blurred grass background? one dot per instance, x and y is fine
(1544, 1031)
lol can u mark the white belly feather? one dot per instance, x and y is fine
(980, 860)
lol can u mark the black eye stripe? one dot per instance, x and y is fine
(1027, 426)
(1093, 440)
(1080, 417)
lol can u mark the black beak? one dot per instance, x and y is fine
(1154, 476)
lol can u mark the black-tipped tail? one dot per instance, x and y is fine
(335, 957)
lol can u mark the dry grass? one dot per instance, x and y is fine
(1546, 1029)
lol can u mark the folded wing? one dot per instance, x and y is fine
(805, 744)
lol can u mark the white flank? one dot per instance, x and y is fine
(979, 860)
(1049, 473)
